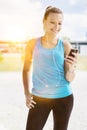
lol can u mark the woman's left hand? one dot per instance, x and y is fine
(71, 60)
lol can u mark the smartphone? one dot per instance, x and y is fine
(71, 52)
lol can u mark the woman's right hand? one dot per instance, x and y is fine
(30, 103)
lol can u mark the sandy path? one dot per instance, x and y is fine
(13, 112)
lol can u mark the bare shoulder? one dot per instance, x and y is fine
(28, 54)
(30, 44)
(67, 46)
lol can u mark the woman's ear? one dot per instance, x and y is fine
(43, 20)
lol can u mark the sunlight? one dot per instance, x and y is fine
(20, 33)
(16, 34)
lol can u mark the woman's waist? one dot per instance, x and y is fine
(50, 86)
(54, 92)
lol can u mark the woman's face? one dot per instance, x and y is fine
(53, 23)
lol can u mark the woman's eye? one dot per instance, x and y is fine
(52, 22)
(60, 23)
(55, 23)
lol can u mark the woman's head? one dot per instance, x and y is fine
(52, 20)
(51, 9)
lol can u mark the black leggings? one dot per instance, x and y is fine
(38, 115)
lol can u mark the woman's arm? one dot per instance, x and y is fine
(70, 63)
(27, 67)
(70, 71)
(26, 73)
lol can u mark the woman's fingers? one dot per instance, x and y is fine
(30, 105)
(71, 59)
(30, 102)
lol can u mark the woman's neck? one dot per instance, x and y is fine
(49, 42)
(50, 39)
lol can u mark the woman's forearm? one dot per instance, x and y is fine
(25, 75)
(70, 75)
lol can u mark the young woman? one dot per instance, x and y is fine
(53, 71)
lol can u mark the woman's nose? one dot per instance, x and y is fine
(56, 25)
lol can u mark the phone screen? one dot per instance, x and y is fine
(71, 52)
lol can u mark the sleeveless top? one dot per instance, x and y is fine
(48, 72)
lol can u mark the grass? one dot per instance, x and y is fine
(15, 63)
(82, 63)
(11, 63)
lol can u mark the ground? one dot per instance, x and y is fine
(13, 111)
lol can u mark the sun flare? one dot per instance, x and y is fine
(16, 34)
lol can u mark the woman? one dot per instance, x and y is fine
(53, 70)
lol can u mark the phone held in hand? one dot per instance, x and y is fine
(72, 51)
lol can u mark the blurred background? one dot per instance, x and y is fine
(21, 20)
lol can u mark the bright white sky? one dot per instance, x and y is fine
(22, 19)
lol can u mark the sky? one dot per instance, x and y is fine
(22, 19)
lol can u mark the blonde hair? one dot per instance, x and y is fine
(51, 9)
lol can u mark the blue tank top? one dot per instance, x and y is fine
(48, 72)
